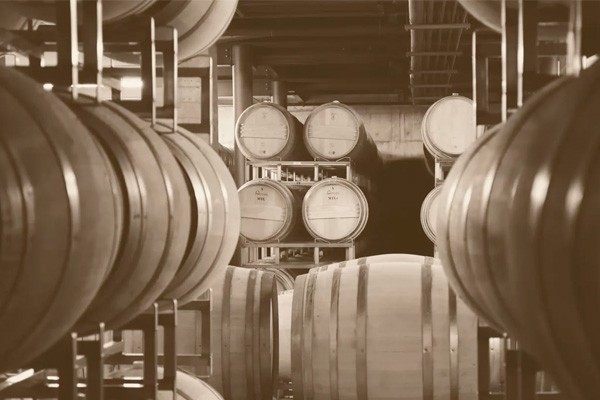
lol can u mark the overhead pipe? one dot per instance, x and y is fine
(279, 93)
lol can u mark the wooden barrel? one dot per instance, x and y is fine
(284, 307)
(59, 220)
(285, 278)
(518, 231)
(429, 212)
(270, 210)
(199, 23)
(226, 155)
(244, 335)
(157, 213)
(267, 131)
(187, 387)
(334, 131)
(335, 210)
(381, 258)
(382, 331)
(429, 161)
(216, 215)
(448, 127)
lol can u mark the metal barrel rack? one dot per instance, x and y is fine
(76, 366)
(517, 50)
(278, 254)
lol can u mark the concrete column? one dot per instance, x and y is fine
(242, 98)
(279, 93)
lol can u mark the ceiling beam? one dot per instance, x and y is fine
(325, 58)
(356, 99)
(397, 42)
(324, 28)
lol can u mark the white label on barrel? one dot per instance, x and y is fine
(264, 132)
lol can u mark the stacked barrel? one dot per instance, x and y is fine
(101, 216)
(300, 206)
(518, 230)
(377, 327)
(448, 128)
(199, 23)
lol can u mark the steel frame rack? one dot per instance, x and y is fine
(71, 354)
(296, 248)
(256, 255)
(274, 170)
(518, 51)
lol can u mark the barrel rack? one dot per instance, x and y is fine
(306, 173)
(59, 373)
(517, 50)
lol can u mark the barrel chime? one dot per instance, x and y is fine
(276, 209)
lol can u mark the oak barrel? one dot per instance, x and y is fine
(216, 215)
(226, 155)
(59, 220)
(199, 23)
(284, 307)
(429, 212)
(381, 258)
(270, 210)
(335, 210)
(157, 213)
(448, 126)
(244, 335)
(429, 161)
(382, 331)
(187, 387)
(285, 278)
(334, 131)
(518, 230)
(267, 131)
